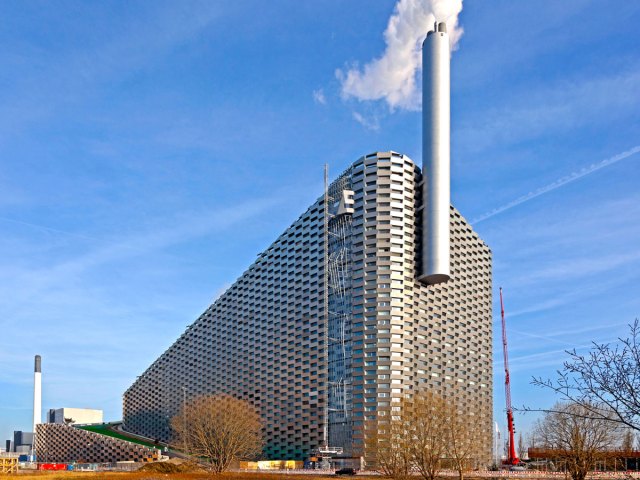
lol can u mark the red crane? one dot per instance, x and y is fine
(512, 458)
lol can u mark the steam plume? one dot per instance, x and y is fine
(558, 183)
(392, 77)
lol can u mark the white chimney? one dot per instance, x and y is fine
(436, 144)
(37, 393)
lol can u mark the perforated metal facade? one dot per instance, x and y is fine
(60, 443)
(266, 339)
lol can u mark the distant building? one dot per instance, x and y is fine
(614, 459)
(74, 416)
(22, 442)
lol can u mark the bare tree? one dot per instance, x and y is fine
(522, 448)
(464, 440)
(219, 428)
(628, 441)
(414, 437)
(389, 442)
(605, 382)
(571, 434)
(429, 418)
(424, 431)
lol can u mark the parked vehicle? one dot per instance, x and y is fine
(346, 471)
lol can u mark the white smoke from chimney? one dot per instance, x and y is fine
(392, 77)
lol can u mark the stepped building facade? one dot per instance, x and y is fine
(62, 443)
(311, 357)
(379, 291)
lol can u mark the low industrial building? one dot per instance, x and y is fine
(612, 460)
(75, 416)
(61, 443)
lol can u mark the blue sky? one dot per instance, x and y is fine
(149, 150)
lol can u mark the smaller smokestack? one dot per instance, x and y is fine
(37, 393)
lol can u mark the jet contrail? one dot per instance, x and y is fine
(558, 183)
(47, 229)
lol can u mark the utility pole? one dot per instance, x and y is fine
(184, 418)
(496, 445)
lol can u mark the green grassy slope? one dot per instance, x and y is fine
(107, 429)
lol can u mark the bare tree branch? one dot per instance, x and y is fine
(605, 382)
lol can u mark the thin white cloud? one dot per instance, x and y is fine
(551, 109)
(581, 267)
(319, 97)
(567, 263)
(132, 46)
(27, 285)
(555, 293)
(47, 229)
(370, 123)
(68, 296)
(533, 362)
(565, 335)
(392, 77)
(558, 183)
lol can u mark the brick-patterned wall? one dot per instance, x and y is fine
(61, 443)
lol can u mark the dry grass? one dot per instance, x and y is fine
(158, 476)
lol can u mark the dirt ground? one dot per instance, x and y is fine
(157, 476)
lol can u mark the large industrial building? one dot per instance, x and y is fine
(379, 290)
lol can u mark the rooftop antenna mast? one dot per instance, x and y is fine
(512, 458)
(325, 243)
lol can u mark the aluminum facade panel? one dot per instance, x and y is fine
(389, 335)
